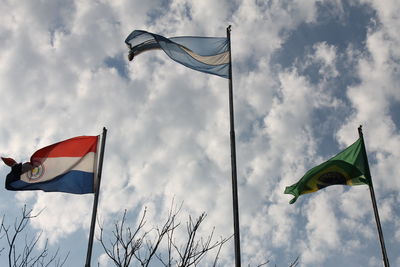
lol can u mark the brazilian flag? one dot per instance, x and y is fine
(349, 167)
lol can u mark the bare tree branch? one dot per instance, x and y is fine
(142, 247)
(24, 256)
(125, 242)
(295, 262)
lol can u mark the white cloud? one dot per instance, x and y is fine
(55, 226)
(322, 229)
(372, 99)
(325, 54)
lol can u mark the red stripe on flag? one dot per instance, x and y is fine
(74, 147)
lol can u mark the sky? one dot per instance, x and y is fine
(306, 74)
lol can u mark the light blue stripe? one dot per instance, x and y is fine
(140, 41)
(75, 182)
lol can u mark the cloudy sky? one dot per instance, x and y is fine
(306, 74)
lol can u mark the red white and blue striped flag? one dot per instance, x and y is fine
(68, 166)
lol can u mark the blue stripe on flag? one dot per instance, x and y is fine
(75, 182)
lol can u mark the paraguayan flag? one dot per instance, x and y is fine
(68, 166)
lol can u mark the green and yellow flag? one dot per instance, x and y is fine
(347, 168)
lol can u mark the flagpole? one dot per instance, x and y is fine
(96, 199)
(372, 193)
(233, 159)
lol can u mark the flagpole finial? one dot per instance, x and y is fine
(360, 133)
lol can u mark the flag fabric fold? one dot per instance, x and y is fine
(68, 166)
(205, 54)
(346, 168)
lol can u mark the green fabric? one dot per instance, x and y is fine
(347, 168)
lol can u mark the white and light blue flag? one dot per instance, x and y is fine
(205, 54)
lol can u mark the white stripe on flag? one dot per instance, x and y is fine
(214, 60)
(53, 167)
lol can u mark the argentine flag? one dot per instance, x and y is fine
(205, 54)
(68, 166)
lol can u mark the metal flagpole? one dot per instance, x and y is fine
(372, 192)
(233, 159)
(96, 199)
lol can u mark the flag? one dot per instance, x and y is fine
(346, 168)
(67, 166)
(205, 54)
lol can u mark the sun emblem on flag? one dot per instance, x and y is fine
(36, 172)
